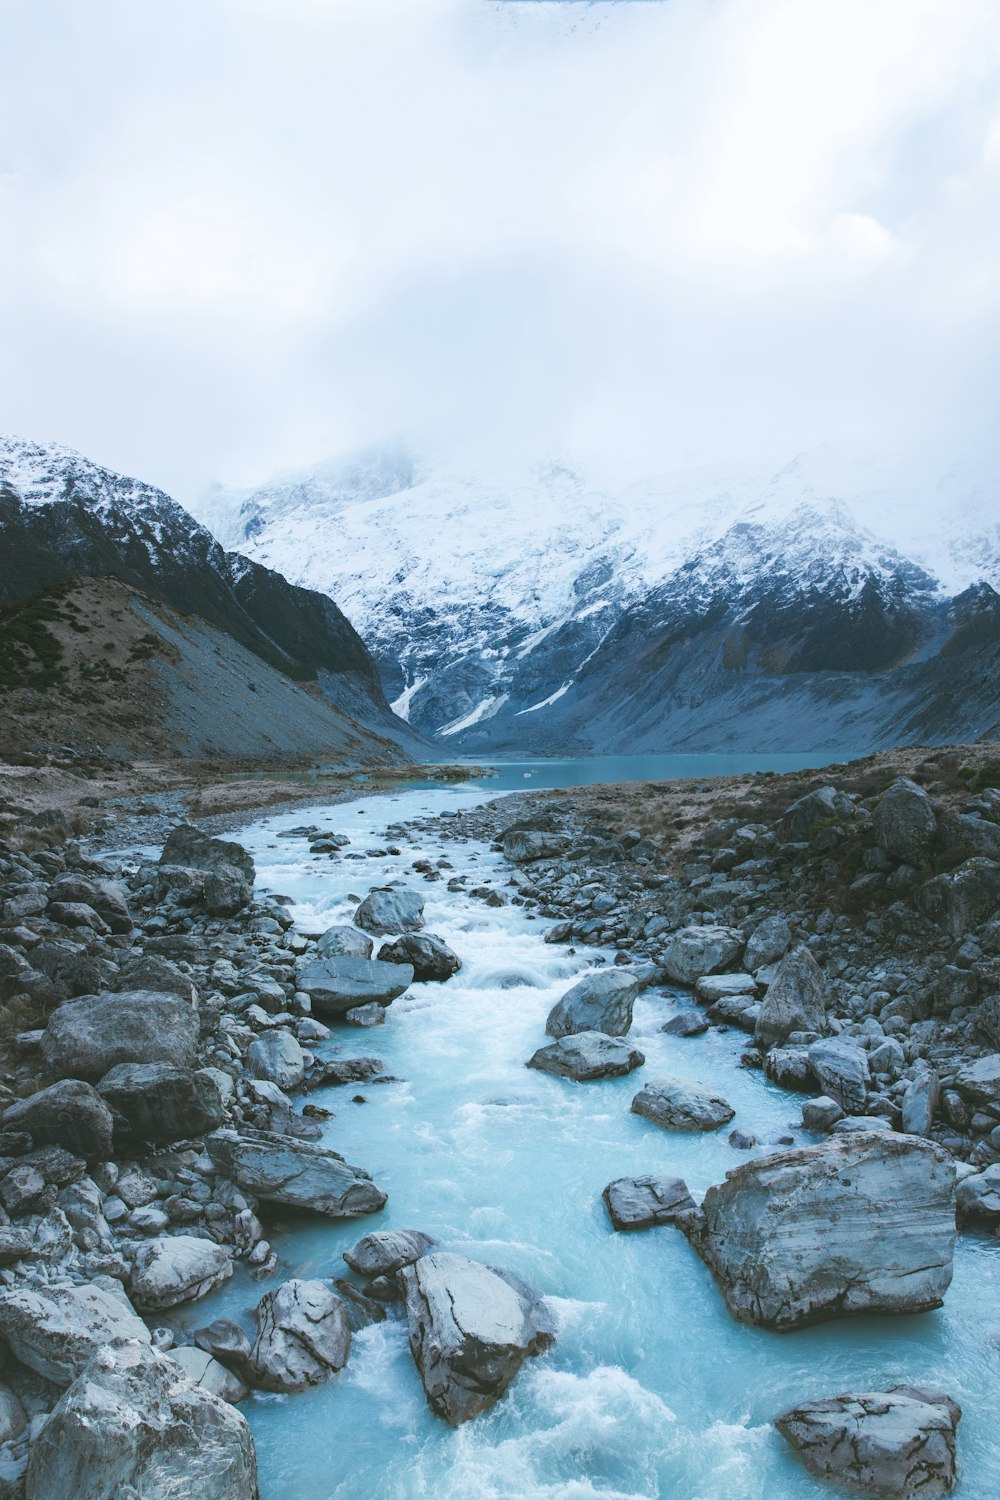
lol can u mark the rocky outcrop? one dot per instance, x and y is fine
(87, 1037)
(588, 1055)
(682, 1104)
(471, 1329)
(600, 1001)
(337, 985)
(429, 957)
(795, 1000)
(177, 1268)
(693, 952)
(161, 1102)
(642, 1202)
(303, 1336)
(296, 1173)
(389, 910)
(387, 1250)
(57, 1327)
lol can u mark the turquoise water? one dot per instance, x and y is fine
(651, 1391)
(535, 775)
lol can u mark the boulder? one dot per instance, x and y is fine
(203, 1370)
(681, 1104)
(344, 942)
(195, 850)
(789, 1068)
(795, 1000)
(133, 1424)
(523, 846)
(891, 1444)
(601, 1001)
(103, 896)
(149, 971)
(919, 1103)
(277, 1057)
(303, 1336)
(55, 1328)
(428, 956)
(471, 1329)
(390, 910)
(388, 1250)
(161, 1102)
(587, 1055)
(299, 1174)
(713, 987)
(963, 899)
(840, 1067)
(978, 1195)
(641, 1202)
(87, 1037)
(693, 952)
(68, 1113)
(686, 1023)
(337, 985)
(905, 826)
(979, 1081)
(825, 805)
(767, 943)
(964, 836)
(225, 892)
(860, 1223)
(177, 1268)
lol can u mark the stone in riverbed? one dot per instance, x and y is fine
(601, 1001)
(344, 942)
(795, 1000)
(767, 943)
(641, 1202)
(587, 1055)
(892, 1444)
(978, 1196)
(388, 1250)
(840, 1067)
(390, 910)
(523, 846)
(203, 1370)
(161, 1102)
(428, 956)
(303, 1337)
(861, 1223)
(277, 1056)
(177, 1268)
(87, 1037)
(686, 1023)
(188, 846)
(68, 1113)
(693, 952)
(57, 1327)
(337, 985)
(299, 1174)
(712, 987)
(133, 1424)
(471, 1329)
(682, 1104)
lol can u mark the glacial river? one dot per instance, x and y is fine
(651, 1391)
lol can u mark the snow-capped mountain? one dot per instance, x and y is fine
(513, 609)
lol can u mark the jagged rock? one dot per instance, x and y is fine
(587, 1055)
(68, 1113)
(104, 896)
(821, 806)
(177, 1268)
(337, 985)
(203, 1370)
(641, 1202)
(767, 943)
(133, 1424)
(87, 1037)
(387, 911)
(523, 846)
(12, 1418)
(303, 1336)
(961, 900)
(891, 1444)
(56, 1328)
(601, 1001)
(161, 1102)
(195, 850)
(471, 1329)
(300, 1174)
(225, 892)
(919, 1103)
(428, 956)
(686, 1023)
(904, 821)
(277, 1056)
(388, 1250)
(795, 1000)
(978, 1196)
(682, 1104)
(860, 1223)
(840, 1067)
(693, 952)
(344, 942)
(789, 1068)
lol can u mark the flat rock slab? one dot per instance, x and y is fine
(57, 1328)
(890, 1444)
(87, 1037)
(299, 1174)
(601, 1001)
(471, 1329)
(388, 1250)
(177, 1268)
(642, 1202)
(588, 1055)
(337, 985)
(682, 1104)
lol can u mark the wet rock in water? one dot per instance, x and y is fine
(471, 1329)
(428, 956)
(277, 1056)
(840, 1067)
(735, 1010)
(133, 1424)
(303, 1336)
(860, 1223)
(392, 910)
(225, 1341)
(789, 1068)
(821, 806)
(767, 943)
(299, 1174)
(904, 822)
(87, 1037)
(68, 1113)
(795, 1000)
(523, 846)
(161, 1102)
(177, 1268)
(693, 952)
(337, 985)
(821, 1113)
(55, 1328)
(714, 987)
(203, 1370)
(962, 899)
(344, 942)
(891, 1444)
(588, 1055)
(601, 1001)
(686, 1023)
(366, 1015)
(388, 1250)
(682, 1104)
(641, 1202)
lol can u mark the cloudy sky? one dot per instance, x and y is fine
(239, 235)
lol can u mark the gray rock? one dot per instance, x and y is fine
(134, 1425)
(767, 943)
(795, 1000)
(905, 825)
(964, 836)
(601, 1001)
(840, 1067)
(471, 1329)
(641, 1202)
(300, 1174)
(860, 1223)
(821, 1113)
(978, 1196)
(919, 1103)
(225, 1341)
(714, 987)
(277, 1056)
(337, 985)
(963, 899)
(87, 1037)
(56, 1328)
(205, 1371)
(177, 1268)
(149, 971)
(388, 1250)
(12, 1418)
(588, 1055)
(104, 896)
(523, 846)
(861, 1125)
(429, 957)
(365, 1015)
(303, 1336)
(979, 1081)
(161, 1102)
(682, 1104)
(344, 942)
(693, 952)
(824, 805)
(387, 911)
(686, 1023)
(225, 892)
(68, 1113)
(789, 1068)
(891, 1444)
(195, 850)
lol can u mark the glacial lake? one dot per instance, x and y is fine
(546, 774)
(651, 1391)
